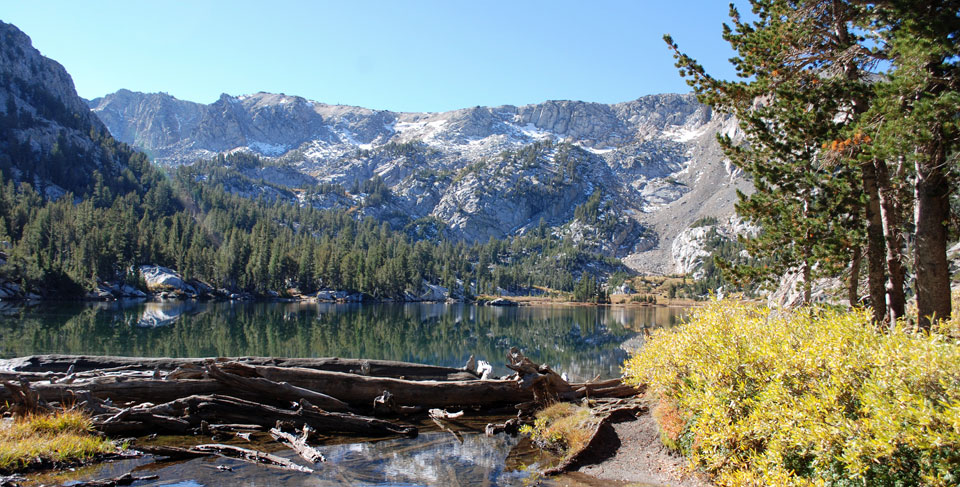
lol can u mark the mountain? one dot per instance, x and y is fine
(637, 173)
(50, 139)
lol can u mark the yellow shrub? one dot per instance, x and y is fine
(809, 397)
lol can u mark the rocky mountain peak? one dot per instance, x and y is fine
(483, 171)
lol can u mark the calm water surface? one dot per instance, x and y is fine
(582, 341)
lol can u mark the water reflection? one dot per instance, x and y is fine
(581, 341)
(431, 459)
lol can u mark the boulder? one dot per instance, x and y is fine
(428, 292)
(159, 278)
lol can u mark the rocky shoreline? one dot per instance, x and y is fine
(158, 283)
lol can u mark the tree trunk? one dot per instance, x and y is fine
(876, 277)
(853, 282)
(890, 215)
(930, 252)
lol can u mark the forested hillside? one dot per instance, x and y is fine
(77, 208)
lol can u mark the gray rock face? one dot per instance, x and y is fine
(483, 171)
(46, 127)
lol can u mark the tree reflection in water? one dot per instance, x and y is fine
(581, 341)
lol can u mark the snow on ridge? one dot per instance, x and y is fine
(596, 151)
(267, 149)
(532, 131)
(683, 133)
(348, 137)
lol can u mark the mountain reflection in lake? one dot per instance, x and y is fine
(582, 341)
(435, 458)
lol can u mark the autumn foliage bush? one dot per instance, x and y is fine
(812, 397)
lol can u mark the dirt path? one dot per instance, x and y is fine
(633, 456)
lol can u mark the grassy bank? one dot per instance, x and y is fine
(63, 437)
(563, 428)
(806, 398)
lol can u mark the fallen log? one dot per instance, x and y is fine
(376, 368)
(332, 390)
(545, 384)
(359, 391)
(386, 404)
(25, 398)
(278, 391)
(298, 443)
(220, 409)
(121, 389)
(252, 456)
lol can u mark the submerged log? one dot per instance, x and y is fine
(125, 479)
(252, 456)
(228, 451)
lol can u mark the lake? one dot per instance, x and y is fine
(581, 341)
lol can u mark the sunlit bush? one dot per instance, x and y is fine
(810, 397)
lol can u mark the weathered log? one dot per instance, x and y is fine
(444, 414)
(376, 368)
(298, 443)
(359, 391)
(252, 456)
(545, 384)
(355, 390)
(25, 398)
(386, 404)
(220, 409)
(278, 391)
(121, 389)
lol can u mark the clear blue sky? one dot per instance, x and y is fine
(395, 55)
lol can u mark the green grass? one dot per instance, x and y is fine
(59, 437)
(812, 397)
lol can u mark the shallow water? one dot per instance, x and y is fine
(581, 341)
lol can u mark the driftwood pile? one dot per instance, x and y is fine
(292, 399)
